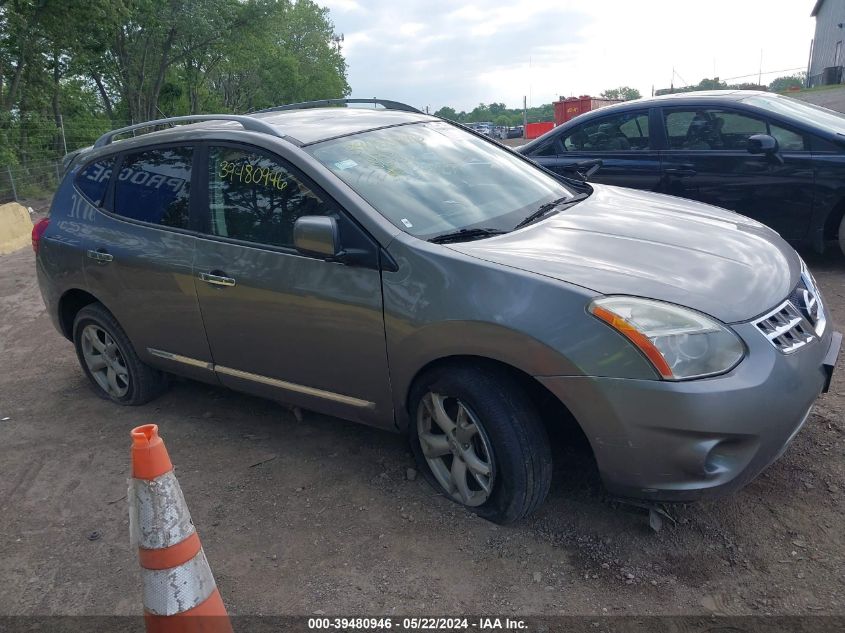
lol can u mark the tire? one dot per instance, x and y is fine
(842, 235)
(511, 440)
(109, 360)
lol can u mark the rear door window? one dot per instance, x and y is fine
(93, 180)
(622, 132)
(550, 149)
(154, 186)
(257, 198)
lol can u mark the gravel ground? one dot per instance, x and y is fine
(319, 515)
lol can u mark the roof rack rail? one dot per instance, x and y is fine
(386, 103)
(249, 123)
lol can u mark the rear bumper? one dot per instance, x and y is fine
(49, 295)
(681, 441)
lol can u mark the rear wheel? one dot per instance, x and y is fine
(479, 439)
(109, 360)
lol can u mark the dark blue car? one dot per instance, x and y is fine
(778, 160)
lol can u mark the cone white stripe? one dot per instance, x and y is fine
(161, 516)
(174, 590)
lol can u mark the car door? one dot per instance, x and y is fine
(706, 159)
(139, 256)
(280, 324)
(623, 143)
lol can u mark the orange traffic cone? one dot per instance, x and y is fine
(179, 590)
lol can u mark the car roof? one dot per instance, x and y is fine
(319, 124)
(680, 98)
(305, 126)
(675, 99)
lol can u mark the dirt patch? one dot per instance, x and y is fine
(319, 515)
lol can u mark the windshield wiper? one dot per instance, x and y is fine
(465, 235)
(547, 208)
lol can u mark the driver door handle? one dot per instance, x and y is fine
(217, 280)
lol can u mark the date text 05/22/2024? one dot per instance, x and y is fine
(417, 624)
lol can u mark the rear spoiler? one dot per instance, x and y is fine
(70, 159)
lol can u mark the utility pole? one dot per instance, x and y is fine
(62, 126)
(524, 118)
(760, 75)
(12, 182)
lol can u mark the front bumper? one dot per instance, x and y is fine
(681, 441)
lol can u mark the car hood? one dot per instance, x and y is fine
(622, 241)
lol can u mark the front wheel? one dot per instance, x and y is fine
(479, 439)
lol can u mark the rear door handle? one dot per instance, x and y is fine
(100, 256)
(217, 280)
(683, 170)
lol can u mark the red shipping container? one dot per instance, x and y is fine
(567, 109)
(533, 130)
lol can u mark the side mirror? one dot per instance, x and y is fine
(317, 235)
(765, 145)
(586, 168)
(762, 144)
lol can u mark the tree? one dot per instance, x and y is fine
(447, 113)
(624, 93)
(85, 68)
(788, 82)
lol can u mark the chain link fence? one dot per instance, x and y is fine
(31, 185)
(40, 144)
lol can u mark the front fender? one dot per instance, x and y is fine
(441, 303)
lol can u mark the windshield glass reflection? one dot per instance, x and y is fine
(433, 178)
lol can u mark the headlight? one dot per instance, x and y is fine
(679, 342)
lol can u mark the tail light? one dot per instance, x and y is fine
(38, 231)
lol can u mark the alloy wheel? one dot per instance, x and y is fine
(456, 448)
(105, 361)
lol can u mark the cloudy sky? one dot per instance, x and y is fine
(436, 52)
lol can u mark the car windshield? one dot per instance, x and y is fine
(811, 113)
(430, 179)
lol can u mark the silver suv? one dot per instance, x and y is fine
(388, 267)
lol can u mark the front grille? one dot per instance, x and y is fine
(786, 328)
(798, 320)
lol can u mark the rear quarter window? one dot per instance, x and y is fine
(93, 180)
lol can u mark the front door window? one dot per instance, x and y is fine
(255, 198)
(716, 129)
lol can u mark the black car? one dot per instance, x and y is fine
(516, 131)
(778, 160)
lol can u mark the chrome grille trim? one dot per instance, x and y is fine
(812, 308)
(797, 321)
(786, 328)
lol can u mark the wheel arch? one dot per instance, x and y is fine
(834, 220)
(555, 414)
(70, 303)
